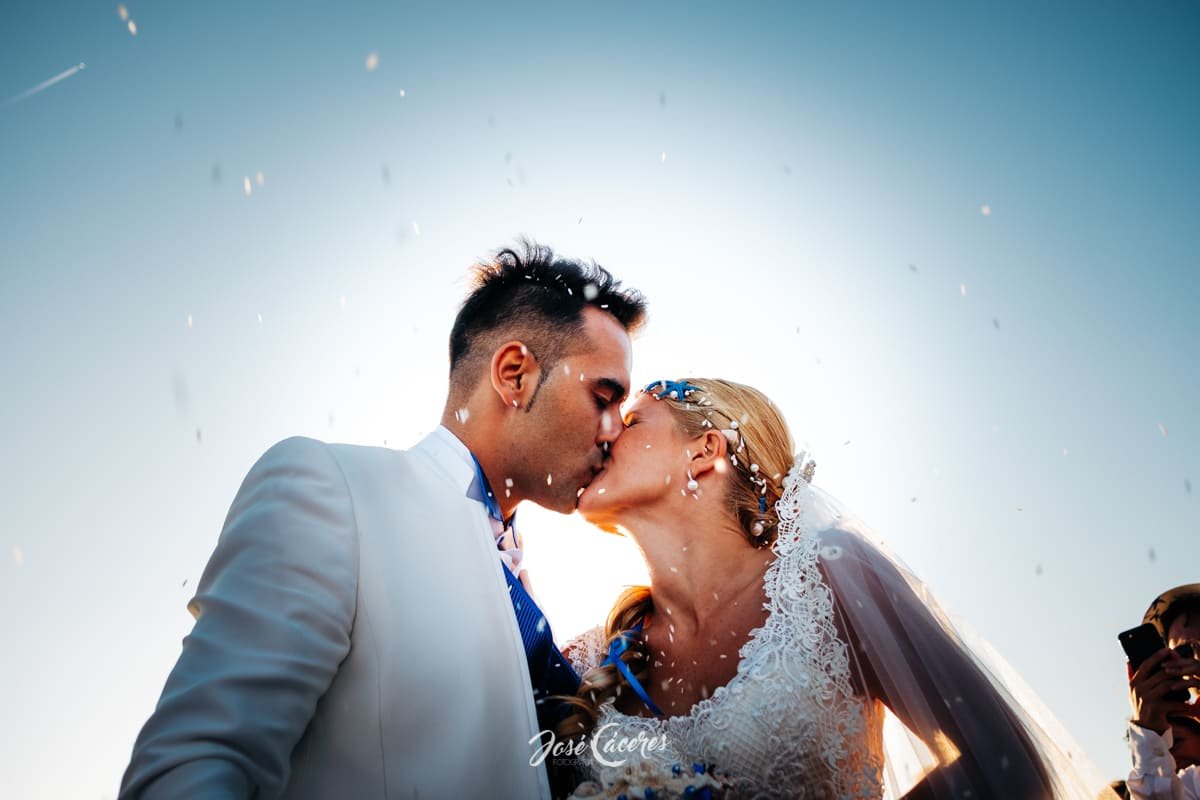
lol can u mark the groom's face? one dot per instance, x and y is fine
(563, 440)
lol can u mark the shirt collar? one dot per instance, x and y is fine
(479, 490)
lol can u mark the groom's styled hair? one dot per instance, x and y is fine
(531, 295)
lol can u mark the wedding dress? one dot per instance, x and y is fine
(794, 721)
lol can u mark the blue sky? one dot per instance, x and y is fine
(799, 188)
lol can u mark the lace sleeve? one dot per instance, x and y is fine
(586, 650)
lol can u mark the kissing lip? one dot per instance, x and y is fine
(596, 471)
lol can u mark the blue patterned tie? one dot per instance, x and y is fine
(549, 672)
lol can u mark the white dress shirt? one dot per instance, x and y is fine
(1154, 776)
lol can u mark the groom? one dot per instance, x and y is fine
(360, 627)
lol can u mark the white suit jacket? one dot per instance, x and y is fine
(354, 638)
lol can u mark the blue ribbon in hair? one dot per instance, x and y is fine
(681, 389)
(616, 648)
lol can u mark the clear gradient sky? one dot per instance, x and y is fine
(956, 242)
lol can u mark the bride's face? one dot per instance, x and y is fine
(646, 465)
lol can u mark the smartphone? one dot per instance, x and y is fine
(1142, 642)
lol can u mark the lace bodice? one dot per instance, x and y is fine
(788, 724)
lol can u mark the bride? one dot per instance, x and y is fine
(773, 633)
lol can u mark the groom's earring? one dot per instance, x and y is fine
(692, 484)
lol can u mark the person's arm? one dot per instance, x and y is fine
(1153, 776)
(906, 659)
(586, 650)
(274, 611)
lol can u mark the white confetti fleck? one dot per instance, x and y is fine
(403, 93)
(508, 482)
(1162, 429)
(189, 320)
(962, 289)
(122, 12)
(664, 156)
(259, 179)
(462, 415)
(549, 479)
(18, 555)
(132, 28)
(602, 491)
(986, 210)
(246, 187)
(1066, 451)
(372, 61)
(416, 228)
(260, 319)
(590, 291)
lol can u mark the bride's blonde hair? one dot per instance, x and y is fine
(759, 456)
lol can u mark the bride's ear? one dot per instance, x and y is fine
(708, 453)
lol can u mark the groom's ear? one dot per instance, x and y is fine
(514, 374)
(708, 452)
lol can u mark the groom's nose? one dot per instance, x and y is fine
(610, 427)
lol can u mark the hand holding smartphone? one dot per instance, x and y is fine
(1144, 641)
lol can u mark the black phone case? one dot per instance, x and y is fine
(1142, 642)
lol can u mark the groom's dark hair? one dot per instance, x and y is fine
(537, 297)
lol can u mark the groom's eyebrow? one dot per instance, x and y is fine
(618, 389)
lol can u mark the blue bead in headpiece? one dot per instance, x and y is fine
(679, 390)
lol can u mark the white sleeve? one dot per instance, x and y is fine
(1153, 776)
(274, 612)
(586, 650)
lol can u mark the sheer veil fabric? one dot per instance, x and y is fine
(962, 718)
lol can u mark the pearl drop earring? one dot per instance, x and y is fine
(692, 485)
